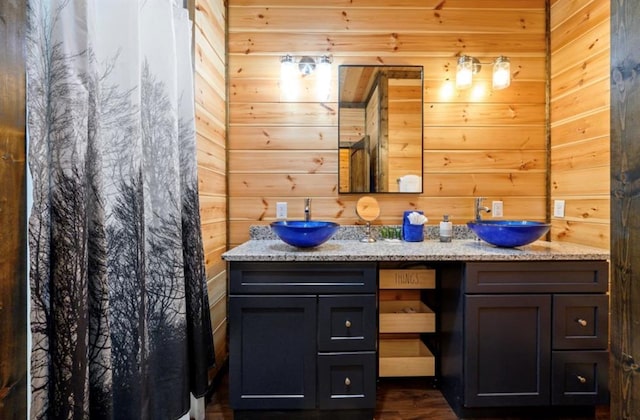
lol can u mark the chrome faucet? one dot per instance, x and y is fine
(307, 209)
(480, 208)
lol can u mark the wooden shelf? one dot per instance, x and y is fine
(405, 357)
(395, 319)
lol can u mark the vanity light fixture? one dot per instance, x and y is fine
(305, 66)
(468, 66)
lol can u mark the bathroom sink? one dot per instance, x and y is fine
(304, 234)
(508, 233)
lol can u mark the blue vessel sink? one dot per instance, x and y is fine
(508, 233)
(304, 234)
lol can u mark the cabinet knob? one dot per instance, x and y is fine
(347, 381)
(582, 322)
(581, 379)
(347, 324)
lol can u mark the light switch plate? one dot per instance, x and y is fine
(496, 209)
(281, 210)
(558, 208)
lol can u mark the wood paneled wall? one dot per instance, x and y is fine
(210, 80)
(580, 42)
(477, 142)
(13, 243)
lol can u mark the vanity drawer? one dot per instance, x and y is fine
(403, 278)
(347, 380)
(406, 316)
(580, 322)
(405, 357)
(580, 377)
(537, 277)
(298, 277)
(346, 322)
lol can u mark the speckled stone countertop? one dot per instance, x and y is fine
(345, 246)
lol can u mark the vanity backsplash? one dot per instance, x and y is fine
(355, 232)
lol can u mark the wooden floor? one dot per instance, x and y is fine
(398, 399)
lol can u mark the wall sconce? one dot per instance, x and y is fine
(468, 66)
(305, 66)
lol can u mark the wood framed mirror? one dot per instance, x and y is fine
(380, 129)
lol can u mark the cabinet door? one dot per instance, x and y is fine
(272, 352)
(507, 350)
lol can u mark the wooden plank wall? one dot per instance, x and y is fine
(477, 142)
(13, 264)
(210, 80)
(580, 41)
(625, 208)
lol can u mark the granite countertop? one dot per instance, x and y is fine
(264, 246)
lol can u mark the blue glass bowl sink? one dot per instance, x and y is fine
(304, 234)
(509, 233)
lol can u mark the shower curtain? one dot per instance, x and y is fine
(119, 311)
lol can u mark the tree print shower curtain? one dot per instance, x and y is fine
(120, 317)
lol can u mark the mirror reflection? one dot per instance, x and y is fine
(380, 129)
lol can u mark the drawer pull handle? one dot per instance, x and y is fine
(347, 381)
(582, 322)
(347, 324)
(581, 379)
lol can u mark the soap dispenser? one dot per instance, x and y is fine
(446, 229)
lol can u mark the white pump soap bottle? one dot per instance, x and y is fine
(446, 229)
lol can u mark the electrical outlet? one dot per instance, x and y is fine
(496, 209)
(558, 208)
(281, 210)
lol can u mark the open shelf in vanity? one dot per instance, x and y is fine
(403, 318)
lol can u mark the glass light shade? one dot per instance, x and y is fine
(288, 78)
(501, 73)
(323, 78)
(464, 72)
(287, 67)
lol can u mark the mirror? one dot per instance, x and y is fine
(380, 129)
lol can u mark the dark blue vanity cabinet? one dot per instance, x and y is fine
(302, 337)
(524, 334)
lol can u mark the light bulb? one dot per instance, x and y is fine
(288, 78)
(501, 73)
